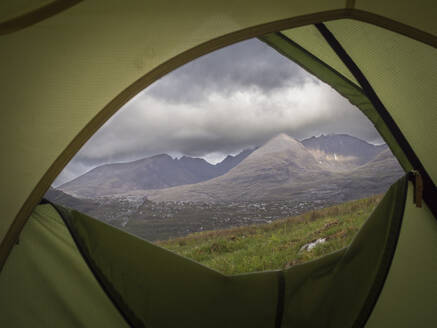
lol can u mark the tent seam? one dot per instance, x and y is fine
(35, 16)
(281, 299)
(429, 189)
(350, 4)
(287, 39)
(385, 263)
(124, 310)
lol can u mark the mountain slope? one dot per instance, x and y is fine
(343, 150)
(282, 169)
(155, 172)
(231, 161)
(83, 205)
(280, 161)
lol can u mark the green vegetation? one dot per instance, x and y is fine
(276, 245)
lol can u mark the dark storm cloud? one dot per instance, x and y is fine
(245, 65)
(230, 100)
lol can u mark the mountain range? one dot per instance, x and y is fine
(161, 197)
(156, 172)
(336, 166)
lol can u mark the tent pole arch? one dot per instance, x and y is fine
(35, 16)
(116, 103)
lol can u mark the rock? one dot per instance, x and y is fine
(308, 247)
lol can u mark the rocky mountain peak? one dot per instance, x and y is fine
(350, 150)
(279, 143)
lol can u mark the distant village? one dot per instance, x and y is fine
(251, 212)
(160, 221)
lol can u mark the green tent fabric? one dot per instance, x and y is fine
(47, 283)
(409, 295)
(153, 287)
(342, 292)
(69, 65)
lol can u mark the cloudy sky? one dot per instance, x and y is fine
(224, 102)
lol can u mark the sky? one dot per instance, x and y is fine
(222, 103)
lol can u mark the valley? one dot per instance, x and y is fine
(160, 221)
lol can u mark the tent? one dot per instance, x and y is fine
(68, 65)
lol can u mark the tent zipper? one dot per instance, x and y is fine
(416, 178)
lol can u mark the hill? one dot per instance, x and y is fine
(83, 205)
(277, 245)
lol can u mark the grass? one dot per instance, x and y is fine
(276, 245)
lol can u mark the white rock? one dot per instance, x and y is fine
(308, 247)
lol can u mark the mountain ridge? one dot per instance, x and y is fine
(155, 172)
(352, 149)
(283, 167)
(278, 163)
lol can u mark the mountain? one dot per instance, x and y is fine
(116, 211)
(160, 171)
(230, 161)
(284, 168)
(342, 151)
(378, 173)
(83, 205)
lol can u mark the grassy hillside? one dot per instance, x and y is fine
(276, 245)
